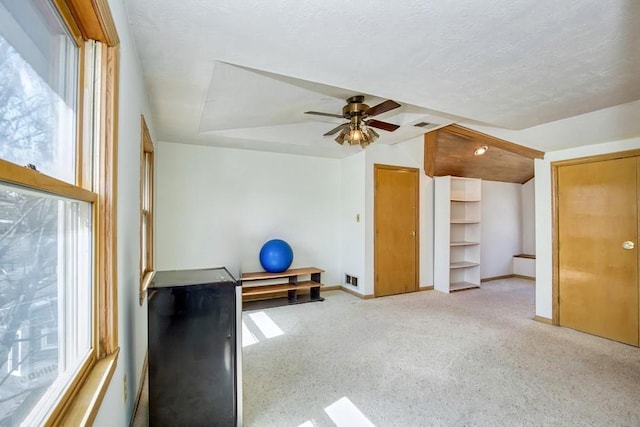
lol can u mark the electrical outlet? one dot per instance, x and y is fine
(354, 281)
(347, 279)
(124, 387)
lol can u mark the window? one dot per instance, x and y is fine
(146, 209)
(38, 88)
(57, 183)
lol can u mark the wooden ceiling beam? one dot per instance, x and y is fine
(450, 151)
(493, 141)
(430, 150)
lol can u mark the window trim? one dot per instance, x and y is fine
(81, 400)
(80, 405)
(147, 189)
(107, 189)
(89, 20)
(23, 176)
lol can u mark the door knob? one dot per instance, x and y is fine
(413, 233)
(628, 245)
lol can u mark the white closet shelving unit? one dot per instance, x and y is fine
(457, 233)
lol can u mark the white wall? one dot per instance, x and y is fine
(352, 219)
(501, 226)
(132, 318)
(529, 217)
(217, 207)
(543, 213)
(409, 153)
(212, 210)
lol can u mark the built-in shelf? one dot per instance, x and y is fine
(463, 264)
(457, 233)
(461, 286)
(465, 200)
(464, 243)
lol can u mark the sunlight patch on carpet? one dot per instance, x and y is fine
(266, 325)
(247, 337)
(345, 414)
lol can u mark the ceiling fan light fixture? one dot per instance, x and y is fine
(356, 137)
(357, 133)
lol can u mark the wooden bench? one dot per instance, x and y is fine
(269, 290)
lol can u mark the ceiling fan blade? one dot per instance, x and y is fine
(382, 125)
(336, 129)
(317, 113)
(383, 107)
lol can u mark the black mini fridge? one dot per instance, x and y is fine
(195, 348)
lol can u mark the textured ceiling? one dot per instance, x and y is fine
(241, 73)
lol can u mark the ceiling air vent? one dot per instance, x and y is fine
(426, 125)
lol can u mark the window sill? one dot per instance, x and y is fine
(83, 408)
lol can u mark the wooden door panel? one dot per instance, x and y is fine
(598, 278)
(396, 230)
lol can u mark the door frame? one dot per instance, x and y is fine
(416, 171)
(555, 275)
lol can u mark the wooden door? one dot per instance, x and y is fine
(598, 278)
(396, 229)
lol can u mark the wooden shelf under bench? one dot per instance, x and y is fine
(257, 290)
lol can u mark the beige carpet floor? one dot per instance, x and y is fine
(423, 359)
(473, 358)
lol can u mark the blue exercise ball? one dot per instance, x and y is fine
(276, 256)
